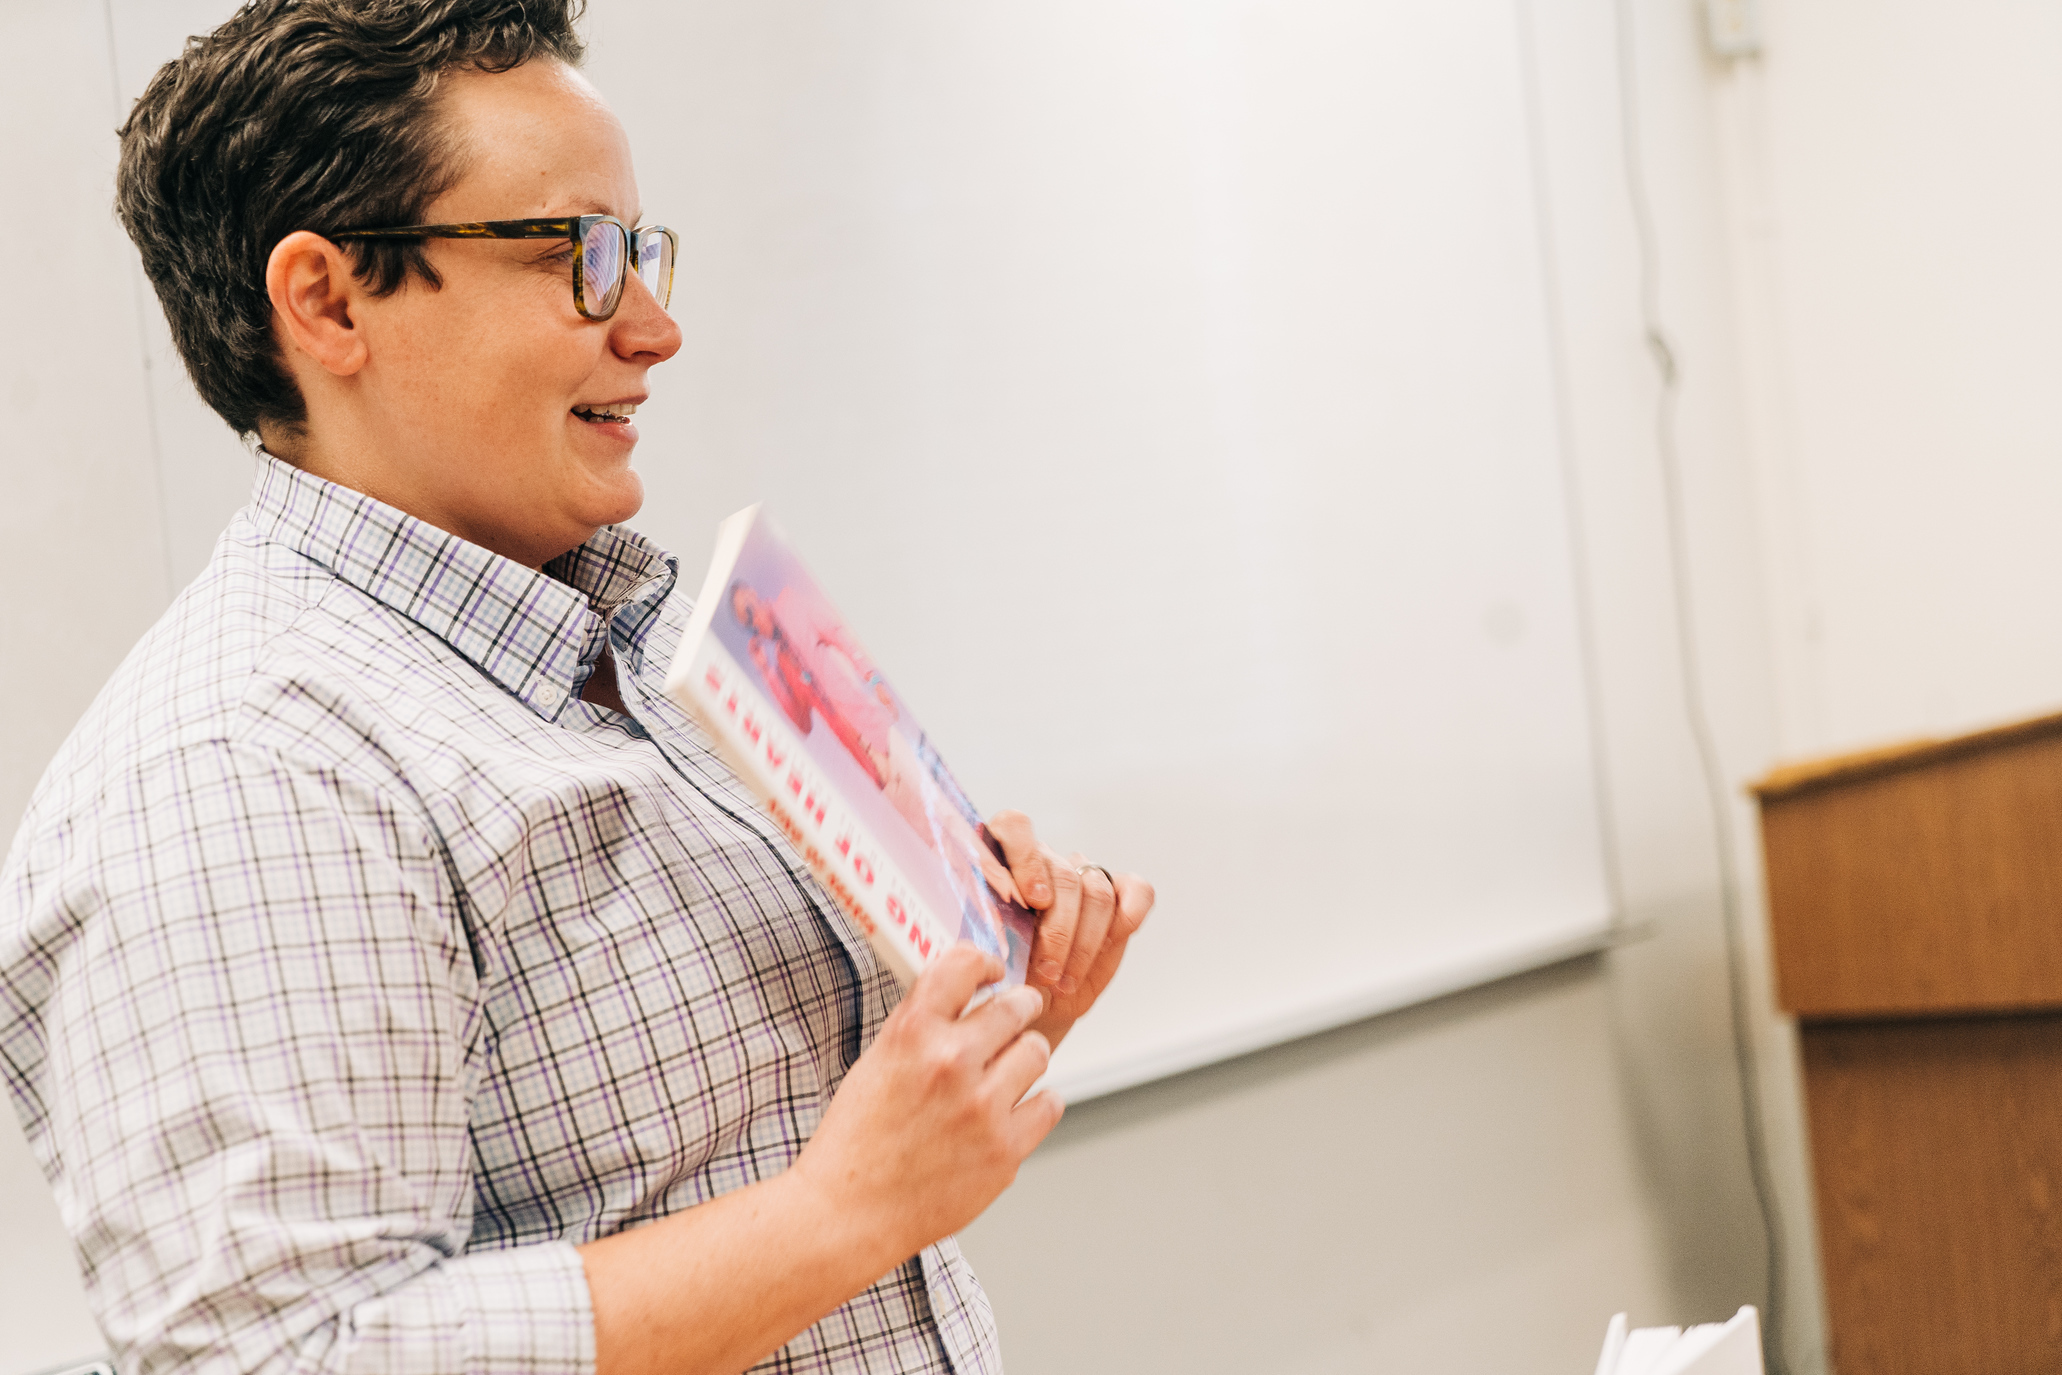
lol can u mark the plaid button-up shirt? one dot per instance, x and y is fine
(353, 970)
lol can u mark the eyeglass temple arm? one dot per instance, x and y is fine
(482, 229)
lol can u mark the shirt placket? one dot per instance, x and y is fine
(631, 687)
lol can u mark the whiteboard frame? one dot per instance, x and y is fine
(1373, 999)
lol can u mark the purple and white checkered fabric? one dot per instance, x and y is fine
(353, 970)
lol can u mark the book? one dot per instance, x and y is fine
(804, 717)
(1732, 1347)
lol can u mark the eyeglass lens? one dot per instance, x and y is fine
(655, 265)
(601, 263)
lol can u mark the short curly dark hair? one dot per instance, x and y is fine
(301, 114)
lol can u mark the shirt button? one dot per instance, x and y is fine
(549, 695)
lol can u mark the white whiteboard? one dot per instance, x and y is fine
(1165, 391)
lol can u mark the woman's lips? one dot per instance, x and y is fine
(615, 428)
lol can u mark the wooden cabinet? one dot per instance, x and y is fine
(1915, 897)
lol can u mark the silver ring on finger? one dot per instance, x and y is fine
(1108, 877)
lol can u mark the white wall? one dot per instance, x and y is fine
(81, 517)
(1470, 1186)
(1453, 1188)
(1891, 173)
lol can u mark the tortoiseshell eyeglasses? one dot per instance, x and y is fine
(603, 249)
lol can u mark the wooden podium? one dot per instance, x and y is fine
(1916, 900)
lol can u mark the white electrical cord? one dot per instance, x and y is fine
(1695, 711)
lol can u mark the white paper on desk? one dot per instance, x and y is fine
(1614, 1346)
(1727, 1348)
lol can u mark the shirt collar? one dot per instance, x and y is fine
(536, 634)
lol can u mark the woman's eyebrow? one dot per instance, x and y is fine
(595, 207)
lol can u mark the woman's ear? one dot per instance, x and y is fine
(313, 293)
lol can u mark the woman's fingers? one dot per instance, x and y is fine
(1105, 967)
(990, 1028)
(1083, 909)
(1135, 899)
(1019, 1066)
(1024, 855)
(945, 989)
(1098, 904)
(1057, 930)
(999, 878)
(1033, 1120)
(1110, 908)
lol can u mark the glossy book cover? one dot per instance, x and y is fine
(809, 722)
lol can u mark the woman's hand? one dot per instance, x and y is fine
(927, 1128)
(1088, 916)
(932, 1123)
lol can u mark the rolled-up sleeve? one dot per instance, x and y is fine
(241, 1008)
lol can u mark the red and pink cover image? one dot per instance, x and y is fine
(810, 723)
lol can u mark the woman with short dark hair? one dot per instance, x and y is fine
(390, 976)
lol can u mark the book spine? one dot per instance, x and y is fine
(763, 748)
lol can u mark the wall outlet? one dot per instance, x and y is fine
(1733, 27)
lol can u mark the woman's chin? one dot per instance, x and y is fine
(616, 497)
